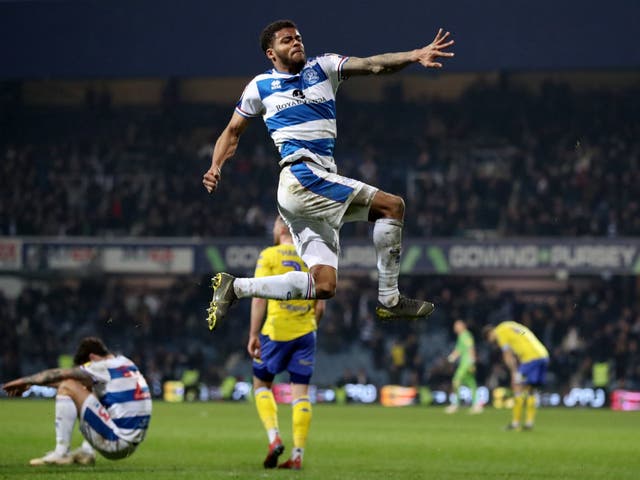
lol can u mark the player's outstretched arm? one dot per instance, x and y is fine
(50, 377)
(224, 149)
(427, 56)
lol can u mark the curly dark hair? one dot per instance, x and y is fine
(266, 37)
(87, 346)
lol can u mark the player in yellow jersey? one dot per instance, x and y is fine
(527, 360)
(283, 337)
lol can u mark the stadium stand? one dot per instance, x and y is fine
(497, 161)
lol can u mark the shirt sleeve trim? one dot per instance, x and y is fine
(245, 114)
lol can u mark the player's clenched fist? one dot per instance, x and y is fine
(211, 179)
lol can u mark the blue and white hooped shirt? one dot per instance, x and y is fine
(124, 392)
(299, 110)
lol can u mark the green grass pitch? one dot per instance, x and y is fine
(226, 441)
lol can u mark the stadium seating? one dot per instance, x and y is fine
(497, 161)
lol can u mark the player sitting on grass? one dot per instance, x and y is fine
(527, 360)
(106, 392)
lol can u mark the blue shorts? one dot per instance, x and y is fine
(534, 372)
(296, 356)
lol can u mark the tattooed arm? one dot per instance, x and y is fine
(51, 377)
(392, 62)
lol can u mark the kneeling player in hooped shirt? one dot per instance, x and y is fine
(106, 392)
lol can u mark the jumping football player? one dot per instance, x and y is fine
(296, 99)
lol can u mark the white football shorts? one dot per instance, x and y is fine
(315, 203)
(101, 432)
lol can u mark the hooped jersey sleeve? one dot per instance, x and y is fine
(331, 64)
(98, 371)
(250, 104)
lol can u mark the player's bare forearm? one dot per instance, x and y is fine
(258, 312)
(319, 310)
(56, 375)
(379, 64)
(51, 377)
(510, 360)
(224, 149)
(427, 56)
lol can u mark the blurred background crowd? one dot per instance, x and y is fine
(164, 330)
(497, 161)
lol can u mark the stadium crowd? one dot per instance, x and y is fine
(164, 330)
(498, 159)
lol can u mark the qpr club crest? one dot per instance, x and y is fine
(310, 76)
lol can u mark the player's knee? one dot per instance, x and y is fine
(389, 206)
(69, 387)
(325, 281)
(325, 289)
(397, 207)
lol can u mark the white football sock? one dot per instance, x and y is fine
(297, 452)
(387, 238)
(272, 433)
(288, 286)
(66, 414)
